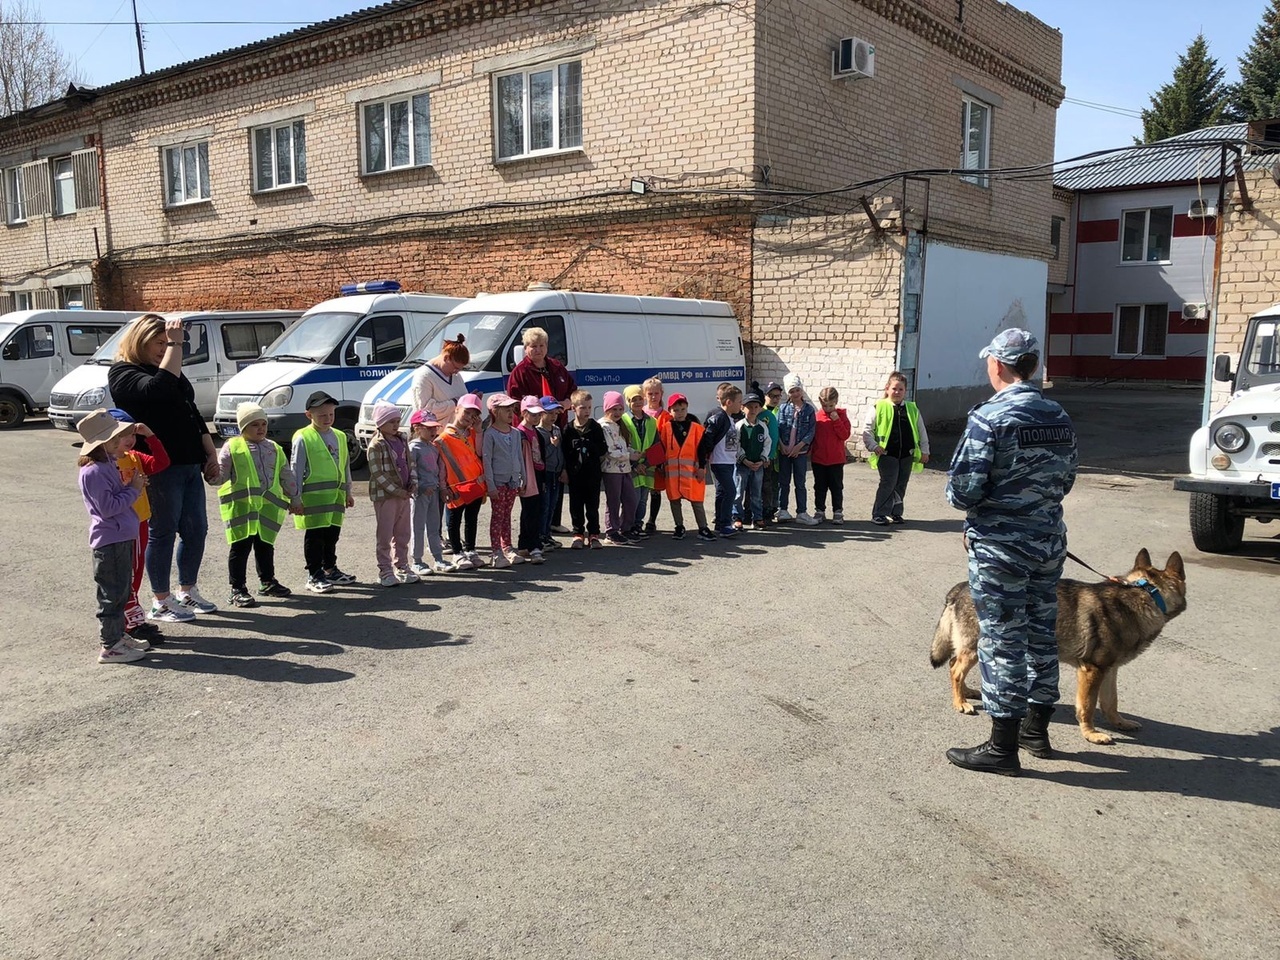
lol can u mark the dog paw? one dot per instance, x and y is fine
(968, 709)
(1124, 723)
(1098, 737)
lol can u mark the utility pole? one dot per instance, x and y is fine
(137, 30)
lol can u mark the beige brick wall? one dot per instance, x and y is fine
(1249, 280)
(1062, 206)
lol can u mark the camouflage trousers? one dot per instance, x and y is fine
(1017, 604)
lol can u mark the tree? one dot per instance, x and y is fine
(1195, 98)
(33, 68)
(1257, 95)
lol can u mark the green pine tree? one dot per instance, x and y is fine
(1257, 95)
(1193, 99)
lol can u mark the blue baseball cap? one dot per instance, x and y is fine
(1008, 345)
(119, 415)
(550, 403)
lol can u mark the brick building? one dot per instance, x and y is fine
(735, 151)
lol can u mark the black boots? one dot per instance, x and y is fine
(1033, 735)
(997, 755)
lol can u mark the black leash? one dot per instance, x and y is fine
(1144, 583)
(1072, 556)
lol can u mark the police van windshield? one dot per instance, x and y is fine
(485, 333)
(105, 355)
(313, 338)
(1262, 354)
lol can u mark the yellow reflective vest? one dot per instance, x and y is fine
(252, 506)
(884, 423)
(323, 492)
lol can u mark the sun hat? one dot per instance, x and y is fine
(550, 403)
(676, 398)
(1008, 345)
(501, 400)
(531, 405)
(612, 398)
(248, 412)
(470, 402)
(98, 428)
(384, 412)
(424, 417)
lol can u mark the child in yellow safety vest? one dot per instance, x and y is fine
(322, 466)
(256, 489)
(895, 436)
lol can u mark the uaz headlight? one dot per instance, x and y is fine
(1231, 437)
(279, 397)
(91, 398)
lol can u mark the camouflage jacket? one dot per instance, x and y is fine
(1015, 463)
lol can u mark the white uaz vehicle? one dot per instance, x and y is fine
(606, 340)
(1235, 457)
(215, 344)
(339, 346)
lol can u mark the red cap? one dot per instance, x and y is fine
(676, 398)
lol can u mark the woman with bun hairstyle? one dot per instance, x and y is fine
(438, 383)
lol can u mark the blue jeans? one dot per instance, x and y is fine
(748, 504)
(789, 467)
(642, 504)
(550, 497)
(177, 510)
(723, 472)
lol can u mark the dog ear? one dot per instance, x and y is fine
(1174, 567)
(1143, 560)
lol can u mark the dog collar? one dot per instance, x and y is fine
(1152, 589)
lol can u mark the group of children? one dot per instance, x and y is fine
(752, 445)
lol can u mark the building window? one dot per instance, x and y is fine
(1146, 235)
(1141, 330)
(280, 156)
(72, 298)
(22, 300)
(1055, 236)
(186, 173)
(975, 127)
(15, 208)
(64, 186)
(539, 110)
(397, 133)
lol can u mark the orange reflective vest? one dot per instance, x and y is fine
(463, 471)
(682, 463)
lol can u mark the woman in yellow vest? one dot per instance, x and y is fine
(257, 491)
(895, 436)
(680, 434)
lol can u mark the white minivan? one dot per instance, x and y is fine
(607, 341)
(216, 345)
(39, 347)
(339, 346)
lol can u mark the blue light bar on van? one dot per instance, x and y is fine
(370, 286)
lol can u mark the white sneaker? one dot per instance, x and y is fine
(441, 567)
(135, 643)
(389, 580)
(192, 600)
(536, 557)
(808, 521)
(783, 516)
(120, 653)
(169, 610)
(474, 557)
(462, 562)
(407, 576)
(517, 558)
(500, 560)
(423, 569)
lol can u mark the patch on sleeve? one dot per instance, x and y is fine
(1046, 435)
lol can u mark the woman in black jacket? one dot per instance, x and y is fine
(146, 381)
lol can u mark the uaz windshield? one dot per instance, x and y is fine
(485, 334)
(313, 337)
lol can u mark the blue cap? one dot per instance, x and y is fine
(550, 403)
(1008, 345)
(119, 415)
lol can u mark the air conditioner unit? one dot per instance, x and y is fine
(853, 58)
(1200, 209)
(1195, 311)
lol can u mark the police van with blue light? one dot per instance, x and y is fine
(339, 346)
(607, 341)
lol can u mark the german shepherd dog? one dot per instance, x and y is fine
(1101, 626)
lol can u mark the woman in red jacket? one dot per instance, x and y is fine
(539, 375)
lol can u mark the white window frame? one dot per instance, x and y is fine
(983, 160)
(12, 190)
(1146, 235)
(57, 177)
(1144, 317)
(557, 133)
(23, 300)
(178, 150)
(297, 157)
(386, 104)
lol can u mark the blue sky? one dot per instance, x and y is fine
(1116, 53)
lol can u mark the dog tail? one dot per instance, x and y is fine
(941, 651)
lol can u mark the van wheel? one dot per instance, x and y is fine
(354, 451)
(1214, 528)
(12, 410)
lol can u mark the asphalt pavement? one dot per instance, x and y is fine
(729, 750)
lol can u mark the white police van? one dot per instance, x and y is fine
(339, 346)
(607, 341)
(39, 347)
(215, 344)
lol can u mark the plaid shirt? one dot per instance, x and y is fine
(384, 475)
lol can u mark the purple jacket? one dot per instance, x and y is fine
(109, 501)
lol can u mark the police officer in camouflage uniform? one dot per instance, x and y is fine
(1015, 463)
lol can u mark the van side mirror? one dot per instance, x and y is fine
(11, 350)
(1222, 367)
(517, 354)
(364, 351)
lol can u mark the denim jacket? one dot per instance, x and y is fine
(805, 419)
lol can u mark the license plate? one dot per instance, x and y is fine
(228, 430)
(1275, 491)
